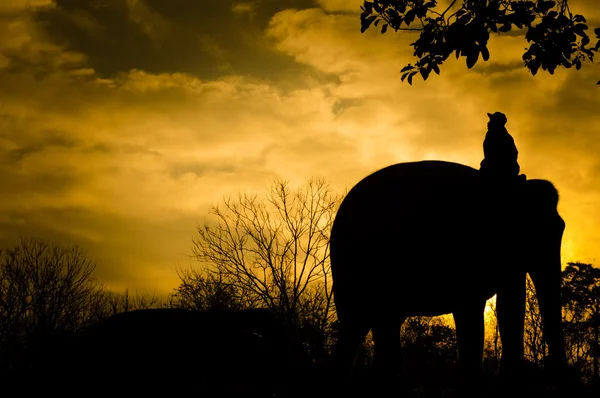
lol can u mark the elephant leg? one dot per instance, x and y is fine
(388, 357)
(510, 306)
(388, 351)
(350, 336)
(470, 340)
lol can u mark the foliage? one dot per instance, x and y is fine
(556, 36)
(429, 345)
(208, 291)
(535, 348)
(581, 309)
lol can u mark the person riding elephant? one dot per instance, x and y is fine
(500, 161)
(500, 169)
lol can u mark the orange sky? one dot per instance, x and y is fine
(122, 121)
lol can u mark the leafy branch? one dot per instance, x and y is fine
(557, 37)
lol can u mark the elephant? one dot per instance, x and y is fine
(433, 237)
(174, 351)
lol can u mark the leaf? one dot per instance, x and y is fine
(597, 32)
(472, 57)
(424, 73)
(406, 68)
(485, 53)
(435, 68)
(585, 41)
(410, 79)
(544, 6)
(409, 17)
(505, 28)
(366, 22)
(384, 28)
(580, 29)
(534, 66)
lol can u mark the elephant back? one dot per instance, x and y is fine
(423, 193)
(419, 221)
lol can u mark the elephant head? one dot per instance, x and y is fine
(431, 238)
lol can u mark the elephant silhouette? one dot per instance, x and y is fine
(431, 238)
(172, 351)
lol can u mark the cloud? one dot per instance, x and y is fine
(341, 6)
(23, 5)
(85, 158)
(245, 8)
(119, 134)
(150, 22)
(206, 39)
(24, 46)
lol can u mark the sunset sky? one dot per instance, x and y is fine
(123, 121)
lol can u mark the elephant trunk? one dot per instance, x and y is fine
(547, 288)
(547, 282)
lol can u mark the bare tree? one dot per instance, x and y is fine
(45, 289)
(48, 286)
(275, 250)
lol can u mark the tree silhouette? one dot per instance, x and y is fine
(556, 36)
(429, 350)
(45, 289)
(581, 312)
(581, 302)
(534, 346)
(274, 253)
(209, 291)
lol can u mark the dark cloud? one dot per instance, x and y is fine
(498, 68)
(18, 185)
(341, 105)
(48, 139)
(242, 163)
(204, 38)
(21, 175)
